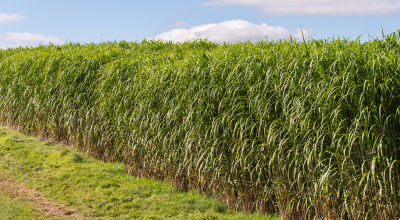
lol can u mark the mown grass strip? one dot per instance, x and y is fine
(96, 188)
(40, 205)
(17, 208)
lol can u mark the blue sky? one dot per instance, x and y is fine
(29, 22)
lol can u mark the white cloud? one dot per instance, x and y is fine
(8, 18)
(180, 24)
(230, 31)
(27, 39)
(316, 7)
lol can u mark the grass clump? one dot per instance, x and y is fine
(307, 128)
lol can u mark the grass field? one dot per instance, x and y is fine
(94, 188)
(17, 208)
(307, 129)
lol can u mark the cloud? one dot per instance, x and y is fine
(230, 31)
(180, 24)
(315, 7)
(27, 39)
(8, 18)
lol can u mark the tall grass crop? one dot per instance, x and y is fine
(315, 125)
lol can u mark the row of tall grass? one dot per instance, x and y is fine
(309, 129)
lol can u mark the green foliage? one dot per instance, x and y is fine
(318, 118)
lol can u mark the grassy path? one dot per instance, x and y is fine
(92, 188)
(22, 202)
(17, 208)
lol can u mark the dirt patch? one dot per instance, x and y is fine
(48, 208)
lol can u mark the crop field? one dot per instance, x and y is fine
(309, 129)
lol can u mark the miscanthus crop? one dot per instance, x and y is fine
(305, 128)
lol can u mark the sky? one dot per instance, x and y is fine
(31, 22)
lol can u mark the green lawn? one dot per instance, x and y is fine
(95, 188)
(17, 208)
